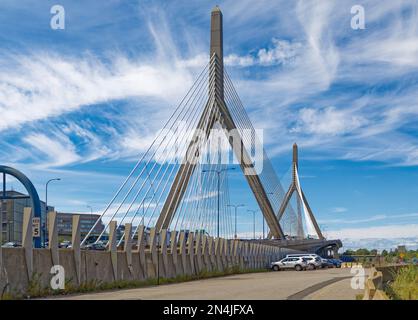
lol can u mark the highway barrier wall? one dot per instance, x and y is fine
(162, 255)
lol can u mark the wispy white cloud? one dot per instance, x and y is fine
(388, 232)
(60, 150)
(328, 121)
(374, 218)
(280, 52)
(380, 244)
(52, 85)
(339, 209)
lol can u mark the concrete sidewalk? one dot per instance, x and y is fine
(265, 285)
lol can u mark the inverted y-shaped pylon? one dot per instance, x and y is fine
(295, 187)
(216, 110)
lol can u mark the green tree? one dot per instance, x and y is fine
(362, 252)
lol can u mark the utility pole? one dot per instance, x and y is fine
(235, 206)
(46, 205)
(253, 211)
(218, 172)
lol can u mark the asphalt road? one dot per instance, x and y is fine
(316, 284)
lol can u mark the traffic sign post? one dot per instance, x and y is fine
(36, 227)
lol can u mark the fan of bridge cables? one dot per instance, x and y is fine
(293, 220)
(142, 195)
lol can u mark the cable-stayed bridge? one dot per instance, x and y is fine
(181, 182)
(171, 216)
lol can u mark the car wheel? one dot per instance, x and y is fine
(298, 268)
(339, 266)
(276, 268)
(312, 266)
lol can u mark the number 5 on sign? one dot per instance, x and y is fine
(36, 227)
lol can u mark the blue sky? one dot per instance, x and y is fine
(83, 103)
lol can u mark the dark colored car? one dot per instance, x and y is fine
(347, 259)
(335, 263)
(96, 246)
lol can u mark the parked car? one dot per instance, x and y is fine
(347, 259)
(335, 262)
(297, 263)
(313, 262)
(95, 246)
(302, 255)
(11, 245)
(326, 263)
(64, 244)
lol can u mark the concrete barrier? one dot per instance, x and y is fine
(182, 254)
(373, 288)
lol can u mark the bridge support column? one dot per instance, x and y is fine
(128, 247)
(205, 252)
(153, 265)
(27, 242)
(212, 254)
(175, 270)
(218, 254)
(235, 253)
(240, 254)
(75, 240)
(142, 272)
(230, 253)
(53, 237)
(252, 255)
(198, 253)
(163, 262)
(243, 255)
(257, 255)
(190, 249)
(183, 254)
(224, 249)
(113, 249)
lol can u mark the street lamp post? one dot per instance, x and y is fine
(236, 206)
(253, 211)
(143, 210)
(264, 219)
(91, 214)
(218, 172)
(46, 205)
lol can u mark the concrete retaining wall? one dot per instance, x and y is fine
(174, 257)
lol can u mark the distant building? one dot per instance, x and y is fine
(402, 249)
(12, 216)
(87, 221)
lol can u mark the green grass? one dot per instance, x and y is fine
(35, 290)
(359, 296)
(405, 284)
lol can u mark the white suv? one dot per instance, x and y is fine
(297, 263)
(312, 260)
